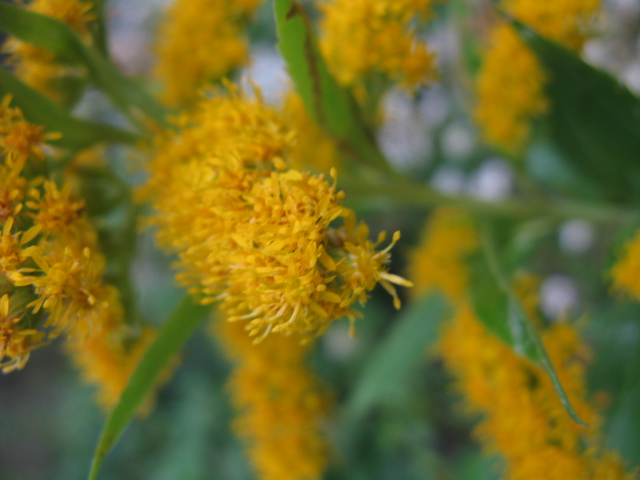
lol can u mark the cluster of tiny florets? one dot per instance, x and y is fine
(389, 45)
(272, 244)
(282, 407)
(51, 269)
(199, 42)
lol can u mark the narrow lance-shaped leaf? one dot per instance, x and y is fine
(38, 109)
(331, 106)
(593, 119)
(500, 310)
(58, 37)
(402, 350)
(172, 336)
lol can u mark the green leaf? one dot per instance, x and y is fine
(500, 310)
(403, 349)
(38, 109)
(331, 106)
(594, 120)
(58, 37)
(172, 336)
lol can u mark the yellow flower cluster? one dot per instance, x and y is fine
(51, 270)
(47, 247)
(626, 271)
(281, 406)
(522, 418)
(511, 82)
(253, 233)
(37, 67)
(389, 45)
(198, 42)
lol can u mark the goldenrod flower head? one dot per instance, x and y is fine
(523, 420)
(12, 253)
(13, 187)
(626, 271)
(69, 287)
(48, 248)
(57, 211)
(53, 271)
(363, 37)
(281, 406)
(199, 42)
(510, 90)
(37, 67)
(511, 82)
(438, 261)
(252, 232)
(362, 266)
(16, 342)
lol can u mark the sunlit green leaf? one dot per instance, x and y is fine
(172, 336)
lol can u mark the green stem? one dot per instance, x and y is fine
(406, 192)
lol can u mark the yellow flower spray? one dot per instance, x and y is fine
(253, 233)
(389, 45)
(199, 42)
(511, 81)
(52, 270)
(522, 419)
(260, 238)
(281, 406)
(626, 271)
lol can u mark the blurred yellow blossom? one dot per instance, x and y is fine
(522, 418)
(199, 42)
(281, 406)
(511, 82)
(626, 271)
(389, 45)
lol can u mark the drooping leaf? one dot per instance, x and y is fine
(593, 119)
(499, 309)
(403, 349)
(331, 106)
(171, 337)
(58, 37)
(38, 109)
(614, 337)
